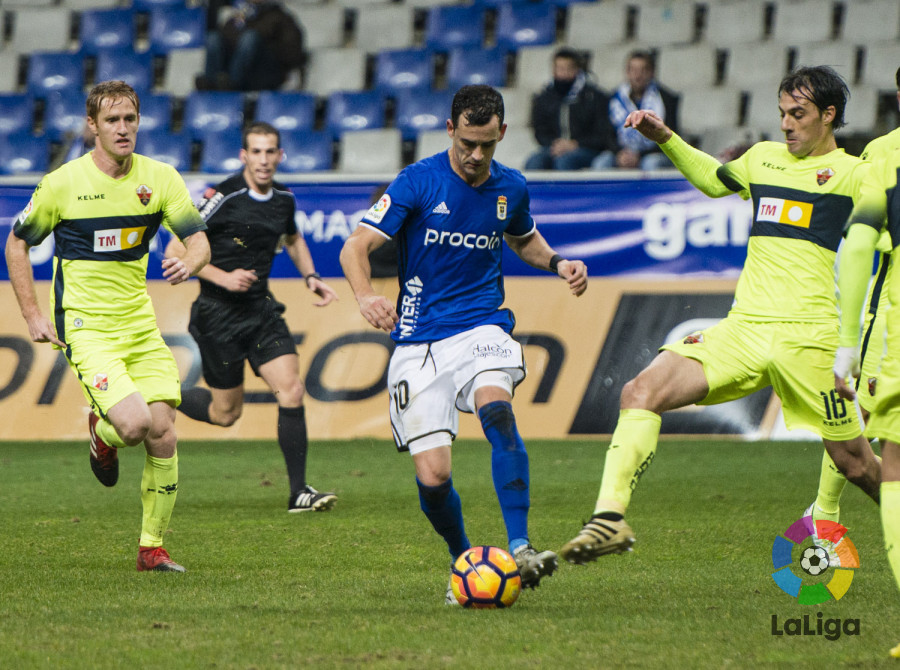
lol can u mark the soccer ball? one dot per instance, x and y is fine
(485, 577)
(814, 560)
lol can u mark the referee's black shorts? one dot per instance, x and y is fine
(228, 333)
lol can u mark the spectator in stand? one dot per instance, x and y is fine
(640, 90)
(254, 50)
(569, 118)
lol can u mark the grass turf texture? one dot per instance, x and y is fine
(363, 585)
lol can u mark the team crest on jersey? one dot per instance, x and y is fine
(695, 338)
(824, 175)
(101, 381)
(501, 207)
(143, 193)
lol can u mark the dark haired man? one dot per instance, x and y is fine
(782, 329)
(449, 214)
(103, 209)
(236, 317)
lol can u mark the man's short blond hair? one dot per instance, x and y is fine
(110, 90)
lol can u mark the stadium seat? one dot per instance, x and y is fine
(608, 65)
(756, 63)
(80, 5)
(220, 151)
(880, 65)
(48, 29)
(331, 70)
(867, 21)
(454, 26)
(384, 26)
(101, 29)
(430, 142)
(371, 151)
(525, 25)
(582, 27)
(534, 67)
(703, 108)
(354, 110)
(839, 55)
(476, 66)
(515, 148)
(862, 110)
(174, 149)
(51, 72)
(133, 68)
(177, 28)
(418, 111)
(286, 110)
(206, 111)
(181, 69)
(9, 73)
(16, 113)
(403, 69)
(683, 67)
(497, 3)
(23, 153)
(156, 113)
(729, 23)
(306, 151)
(516, 106)
(665, 24)
(799, 21)
(64, 114)
(762, 110)
(323, 25)
(148, 5)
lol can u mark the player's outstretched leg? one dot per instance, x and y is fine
(104, 457)
(630, 453)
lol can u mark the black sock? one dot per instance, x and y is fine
(609, 516)
(293, 443)
(195, 404)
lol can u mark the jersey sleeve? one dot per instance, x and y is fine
(522, 223)
(180, 216)
(703, 171)
(388, 214)
(40, 216)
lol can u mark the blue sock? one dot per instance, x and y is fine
(443, 508)
(509, 468)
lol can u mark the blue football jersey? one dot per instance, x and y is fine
(449, 246)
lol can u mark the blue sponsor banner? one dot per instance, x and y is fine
(644, 226)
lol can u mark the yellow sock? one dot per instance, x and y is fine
(107, 433)
(831, 485)
(159, 488)
(890, 522)
(630, 452)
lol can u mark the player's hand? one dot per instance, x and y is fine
(175, 271)
(379, 312)
(846, 364)
(649, 125)
(321, 289)
(239, 280)
(41, 330)
(575, 273)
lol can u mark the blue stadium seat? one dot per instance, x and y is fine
(147, 5)
(156, 113)
(16, 113)
(286, 110)
(22, 153)
(213, 110)
(49, 72)
(354, 110)
(177, 28)
(403, 69)
(524, 26)
(418, 111)
(171, 148)
(454, 26)
(133, 68)
(476, 66)
(306, 151)
(220, 151)
(64, 114)
(106, 29)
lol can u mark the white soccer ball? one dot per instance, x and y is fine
(814, 560)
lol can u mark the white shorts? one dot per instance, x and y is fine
(430, 383)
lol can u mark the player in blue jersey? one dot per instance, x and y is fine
(449, 215)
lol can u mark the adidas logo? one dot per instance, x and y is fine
(441, 209)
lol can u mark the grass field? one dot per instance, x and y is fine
(363, 585)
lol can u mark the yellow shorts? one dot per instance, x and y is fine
(110, 368)
(795, 359)
(874, 334)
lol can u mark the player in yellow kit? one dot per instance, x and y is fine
(782, 329)
(103, 209)
(878, 207)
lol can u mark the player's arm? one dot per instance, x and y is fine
(534, 250)
(698, 167)
(376, 309)
(237, 281)
(22, 279)
(180, 267)
(299, 253)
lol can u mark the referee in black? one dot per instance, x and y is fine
(237, 318)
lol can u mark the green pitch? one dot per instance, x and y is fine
(363, 585)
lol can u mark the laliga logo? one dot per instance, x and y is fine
(828, 549)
